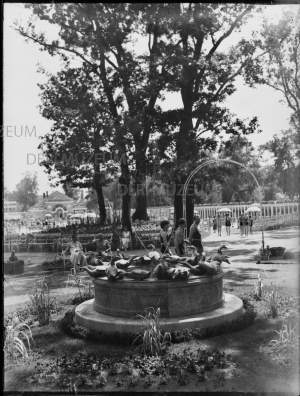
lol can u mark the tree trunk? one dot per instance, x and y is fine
(100, 197)
(178, 204)
(124, 190)
(184, 153)
(141, 193)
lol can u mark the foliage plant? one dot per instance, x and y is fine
(77, 282)
(42, 302)
(153, 339)
(17, 334)
(287, 339)
(272, 302)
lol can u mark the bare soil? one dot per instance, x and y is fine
(251, 367)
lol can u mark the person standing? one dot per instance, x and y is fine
(126, 238)
(250, 225)
(195, 236)
(214, 224)
(242, 224)
(164, 237)
(228, 224)
(246, 225)
(219, 224)
(179, 238)
(209, 224)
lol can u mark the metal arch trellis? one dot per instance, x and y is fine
(216, 161)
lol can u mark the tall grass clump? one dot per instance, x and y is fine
(152, 340)
(42, 303)
(287, 339)
(272, 302)
(77, 282)
(16, 336)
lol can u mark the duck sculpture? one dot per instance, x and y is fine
(137, 274)
(203, 268)
(122, 263)
(219, 256)
(92, 259)
(95, 272)
(163, 271)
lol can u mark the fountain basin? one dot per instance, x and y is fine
(126, 298)
(86, 316)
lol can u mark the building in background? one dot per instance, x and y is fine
(58, 205)
(10, 206)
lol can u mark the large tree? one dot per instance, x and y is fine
(285, 150)
(204, 74)
(26, 190)
(183, 43)
(101, 36)
(281, 40)
(79, 132)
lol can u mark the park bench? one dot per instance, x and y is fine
(63, 241)
(86, 238)
(42, 240)
(23, 242)
(146, 238)
(14, 242)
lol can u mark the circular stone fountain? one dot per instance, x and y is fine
(196, 303)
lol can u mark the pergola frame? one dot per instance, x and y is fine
(216, 161)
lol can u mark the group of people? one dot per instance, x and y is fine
(179, 240)
(75, 249)
(245, 224)
(218, 222)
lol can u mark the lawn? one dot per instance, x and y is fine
(240, 361)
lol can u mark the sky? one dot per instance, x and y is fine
(24, 125)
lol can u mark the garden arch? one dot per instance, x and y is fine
(216, 161)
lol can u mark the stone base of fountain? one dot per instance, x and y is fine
(86, 316)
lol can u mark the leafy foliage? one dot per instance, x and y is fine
(26, 191)
(152, 341)
(16, 335)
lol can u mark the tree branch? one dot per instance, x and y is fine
(218, 42)
(94, 66)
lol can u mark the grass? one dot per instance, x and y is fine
(15, 335)
(287, 339)
(42, 302)
(153, 341)
(272, 302)
(75, 282)
(259, 285)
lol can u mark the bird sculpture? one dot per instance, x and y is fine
(163, 271)
(137, 274)
(123, 263)
(92, 259)
(203, 268)
(219, 256)
(95, 272)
